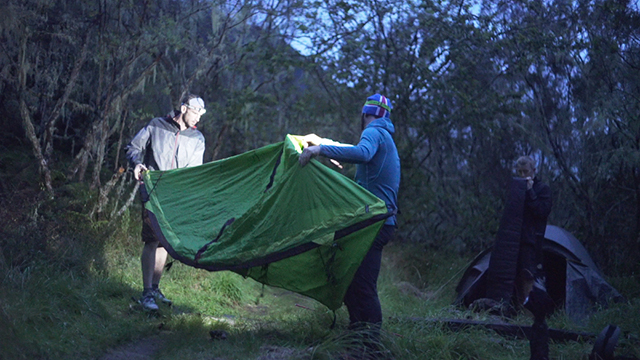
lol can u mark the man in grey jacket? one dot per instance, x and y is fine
(165, 143)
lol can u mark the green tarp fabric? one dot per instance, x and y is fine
(263, 216)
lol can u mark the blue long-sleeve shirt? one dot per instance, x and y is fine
(378, 163)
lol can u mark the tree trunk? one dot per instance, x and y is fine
(119, 146)
(37, 150)
(127, 204)
(103, 198)
(114, 103)
(100, 153)
(28, 123)
(216, 149)
(55, 114)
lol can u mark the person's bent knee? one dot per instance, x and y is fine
(152, 244)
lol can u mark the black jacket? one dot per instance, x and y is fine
(537, 206)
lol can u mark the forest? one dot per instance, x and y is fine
(474, 85)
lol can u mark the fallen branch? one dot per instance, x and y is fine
(511, 330)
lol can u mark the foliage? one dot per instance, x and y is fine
(474, 85)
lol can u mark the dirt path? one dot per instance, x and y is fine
(148, 348)
(143, 349)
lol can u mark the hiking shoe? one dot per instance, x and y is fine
(158, 295)
(148, 302)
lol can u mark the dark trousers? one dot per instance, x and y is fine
(361, 298)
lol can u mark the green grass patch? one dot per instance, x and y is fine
(75, 299)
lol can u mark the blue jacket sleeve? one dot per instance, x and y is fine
(356, 154)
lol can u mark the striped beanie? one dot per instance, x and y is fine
(378, 105)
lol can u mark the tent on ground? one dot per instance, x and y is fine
(261, 215)
(573, 279)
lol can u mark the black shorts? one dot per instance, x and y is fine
(148, 236)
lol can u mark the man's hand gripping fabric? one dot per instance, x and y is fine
(307, 154)
(313, 140)
(138, 170)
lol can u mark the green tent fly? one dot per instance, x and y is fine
(260, 214)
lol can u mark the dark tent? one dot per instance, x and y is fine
(573, 279)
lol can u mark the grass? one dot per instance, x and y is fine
(67, 294)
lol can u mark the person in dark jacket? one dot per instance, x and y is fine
(165, 143)
(530, 281)
(378, 170)
(537, 206)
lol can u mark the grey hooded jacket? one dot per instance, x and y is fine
(162, 146)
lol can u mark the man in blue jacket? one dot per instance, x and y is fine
(165, 143)
(378, 170)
